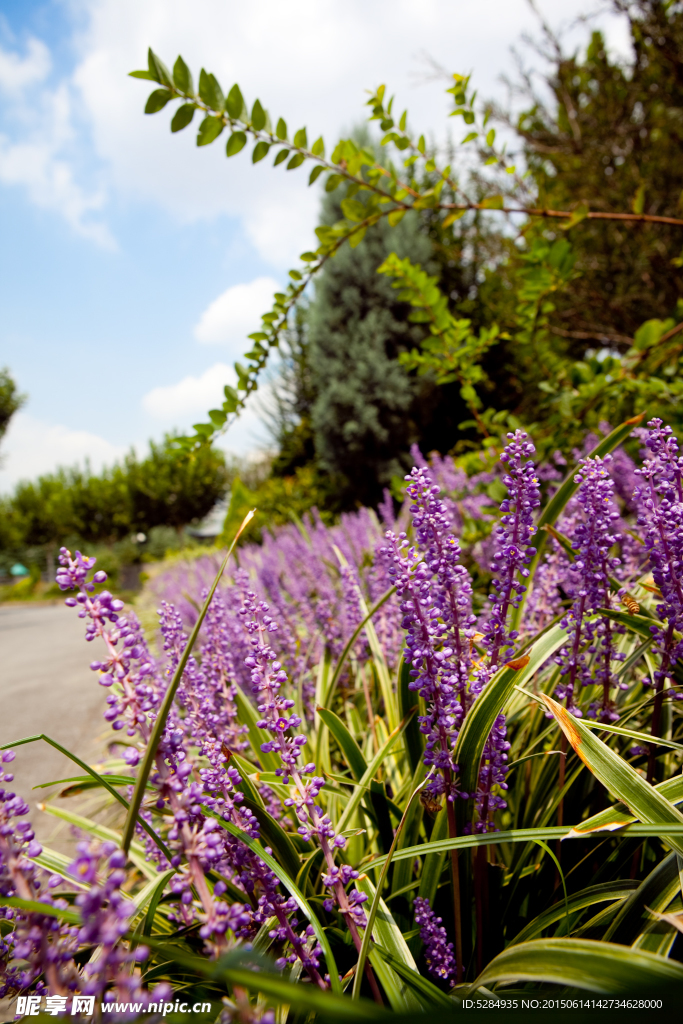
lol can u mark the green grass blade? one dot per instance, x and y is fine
(276, 837)
(435, 857)
(671, 832)
(640, 624)
(618, 730)
(149, 898)
(407, 700)
(387, 931)
(645, 802)
(368, 776)
(353, 755)
(169, 696)
(249, 971)
(427, 992)
(483, 713)
(602, 967)
(544, 846)
(36, 907)
(101, 780)
(351, 641)
(137, 852)
(656, 892)
(88, 782)
(615, 817)
(604, 893)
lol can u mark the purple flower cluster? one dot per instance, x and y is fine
(435, 592)
(660, 515)
(513, 549)
(314, 578)
(196, 798)
(438, 951)
(105, 914)
(38, 952)
(588, 659)
(278, 721)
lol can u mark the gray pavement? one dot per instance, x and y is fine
(46, 686)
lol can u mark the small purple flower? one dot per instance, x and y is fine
(438, 950)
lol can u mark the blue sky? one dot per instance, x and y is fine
(132, 264)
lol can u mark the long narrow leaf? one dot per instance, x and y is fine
(654, 892)
(407, 700)
(623, 781)
(482, 715)
(670, 832)
(615, 817)
(584, 964)
(136, 852)
(368, 776)
(101, 780)
(427, 991)
(351, 641)
(607, 892)
(169, 696)
(353, 755)
(386, 933)
(238, 968)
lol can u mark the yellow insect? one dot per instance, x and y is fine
(430, 805)
(631, 604)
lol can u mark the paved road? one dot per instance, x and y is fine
(46, 686)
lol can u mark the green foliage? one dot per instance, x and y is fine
(10, 400)
(602, 164)
(166, 489)
(169, 488)
(453, 352)
(366, 410)
(278, 500)
(612, 934)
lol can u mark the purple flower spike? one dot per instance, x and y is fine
(513, 549)
(438, 951)
(591, 641)
(660, 514)
(436, 603)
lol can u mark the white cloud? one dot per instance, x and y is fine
(31, 446)
(175, 406)
(236, 313)
(50, 185)
(38, 141)
(16, 72)
(307, 60)
(191, 396)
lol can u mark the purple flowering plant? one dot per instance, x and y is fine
(339, 759)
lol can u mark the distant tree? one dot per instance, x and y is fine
(10, 400)
(173, 488)
(611, 139)
(100, 503)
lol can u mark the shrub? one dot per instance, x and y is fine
(357, 781)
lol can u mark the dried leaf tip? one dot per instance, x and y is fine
(567, 724)
(518, 663)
